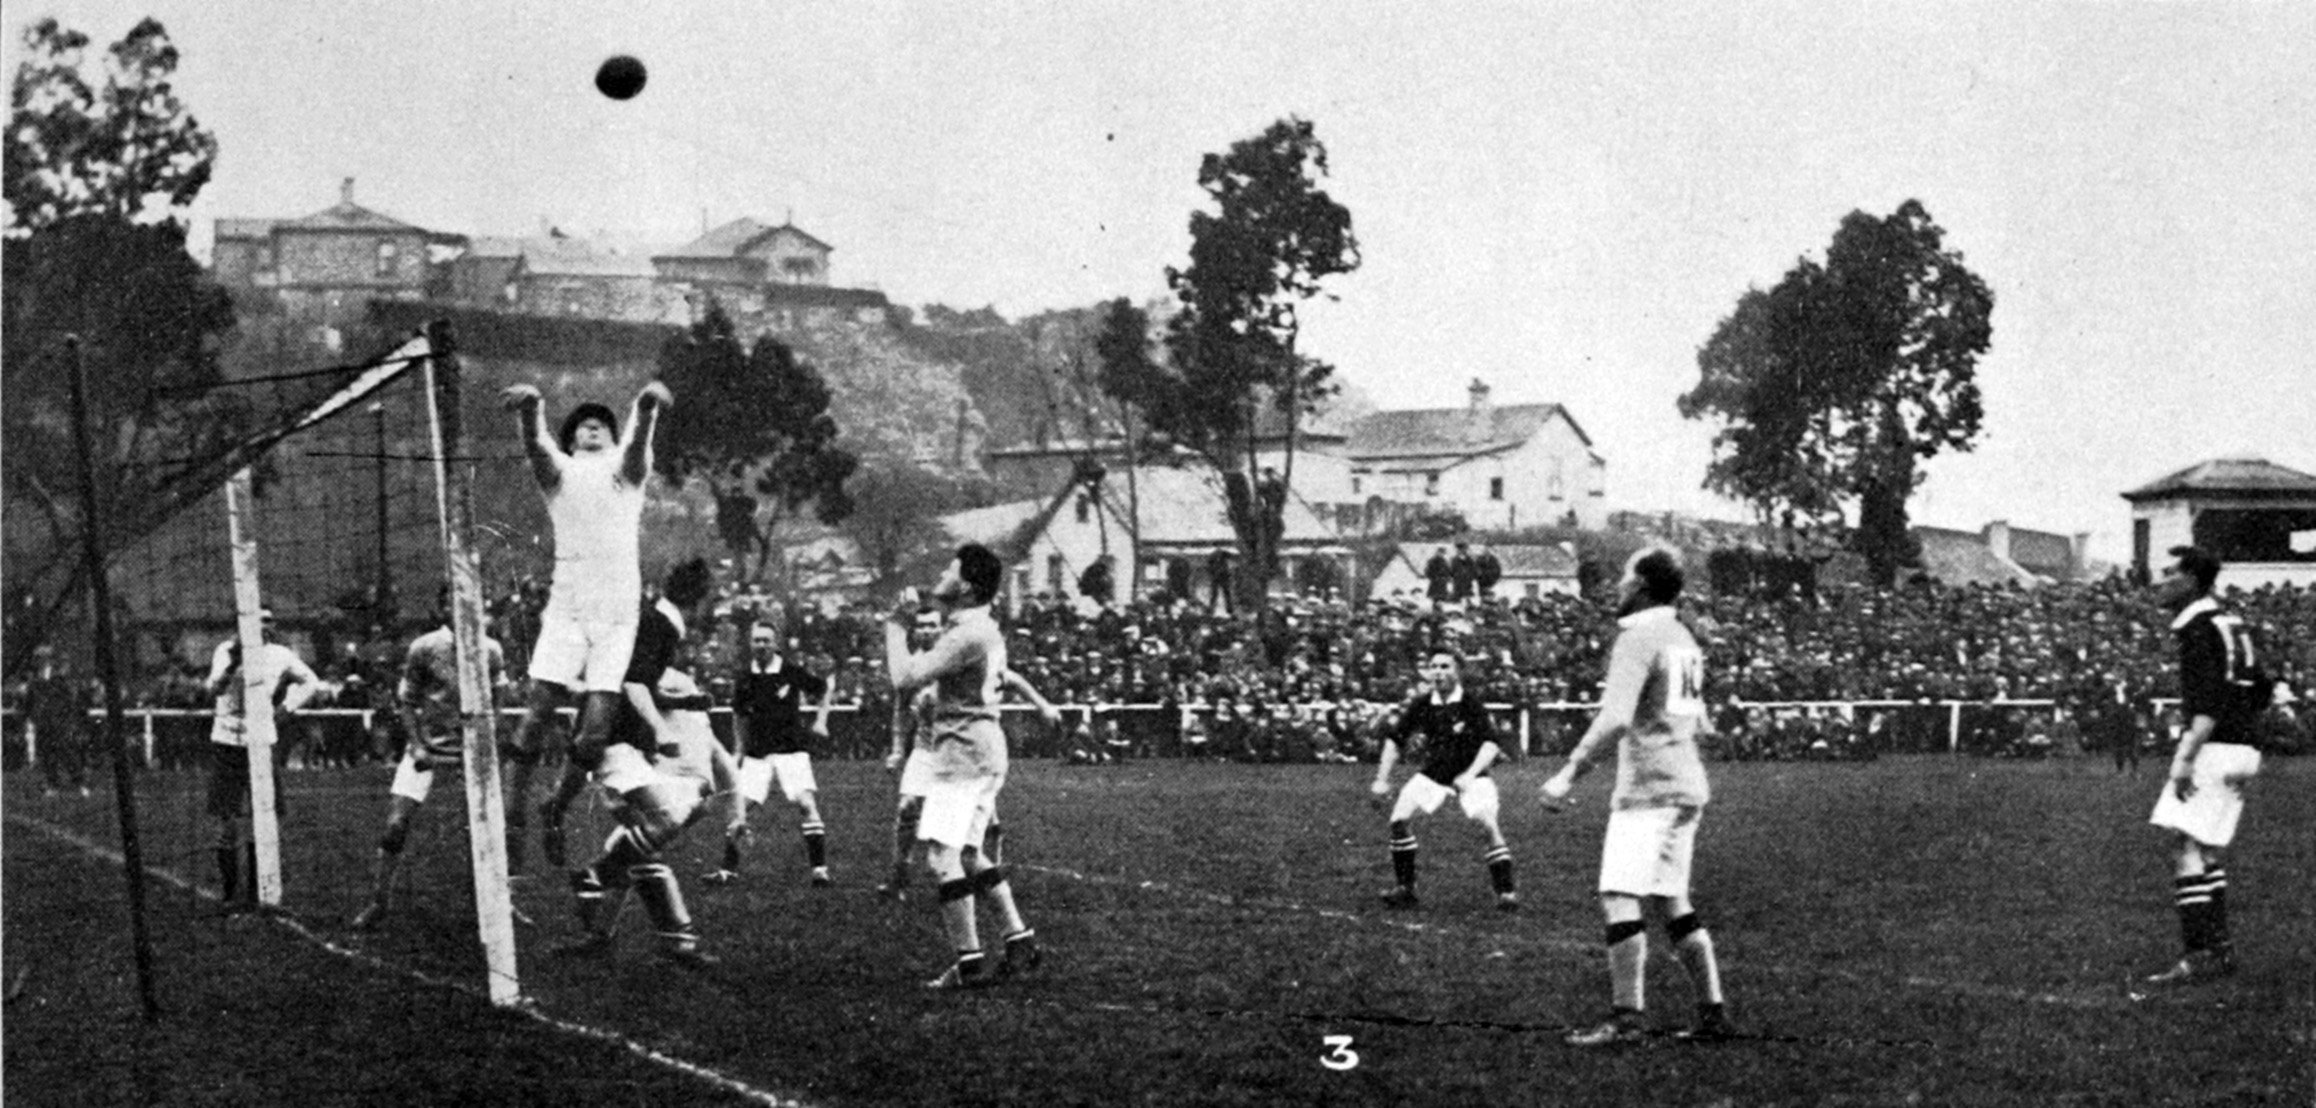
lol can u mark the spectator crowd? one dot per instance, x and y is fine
(1310, 679)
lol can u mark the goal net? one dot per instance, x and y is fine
(264, 627)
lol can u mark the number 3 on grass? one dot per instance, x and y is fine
(1339, 1054)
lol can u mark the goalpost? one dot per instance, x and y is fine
(439, 392)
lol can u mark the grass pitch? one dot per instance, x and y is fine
(1913, 931)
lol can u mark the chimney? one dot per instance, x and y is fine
(346, 191)
(1998, 537)
(1479, 416)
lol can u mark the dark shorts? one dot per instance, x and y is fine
(229, 780)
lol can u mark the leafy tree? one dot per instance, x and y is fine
(128, 149)
(1273, 237)
(96, 174)
(1833, 386)
(897, 505)
(755, 427)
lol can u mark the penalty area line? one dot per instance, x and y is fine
(526, 1007)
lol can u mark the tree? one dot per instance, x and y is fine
(1271, 241)
(755, 428)
(96, 182)
(897, 505)
(130, 150)
(1833, 386)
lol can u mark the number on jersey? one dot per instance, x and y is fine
(1684, 670)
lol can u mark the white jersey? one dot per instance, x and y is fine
(598, 521)
(274, 666)
(695, 740)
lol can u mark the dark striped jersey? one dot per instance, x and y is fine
(658, 633)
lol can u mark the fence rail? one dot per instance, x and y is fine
(169, 737)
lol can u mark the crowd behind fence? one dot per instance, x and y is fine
(178, 738)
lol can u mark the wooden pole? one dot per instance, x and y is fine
(257, 686)
(108, 673)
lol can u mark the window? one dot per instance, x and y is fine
(1355, 486)
(387, 258)
(1056, 575)
(1431, 484)
(1085, 509)
(1495, 488)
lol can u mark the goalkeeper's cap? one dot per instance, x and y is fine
(581, 414)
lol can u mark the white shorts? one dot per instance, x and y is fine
(793, 771)
(625, 769)
(582, 655)
(1647, 850)
(2209, 817)
(957, 813)
(412, 782)
(916, 774)
(1422, 794)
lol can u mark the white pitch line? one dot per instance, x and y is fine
(1570, 946)
(722, 1081)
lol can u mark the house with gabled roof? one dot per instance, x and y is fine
(747, 252)
(1171, 540)
(2258, 517)
(1502, 466)
(326, 267)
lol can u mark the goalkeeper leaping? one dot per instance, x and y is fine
(593, 481)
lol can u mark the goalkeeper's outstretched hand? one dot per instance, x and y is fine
(518, 396)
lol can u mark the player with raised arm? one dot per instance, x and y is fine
(593, 481)
(965, 667)
(774, 744)
(2223, 689)
(660, 720)
(426, 703)
(1652, 705)
(912, 733)
(288, 682)
(1460, 746)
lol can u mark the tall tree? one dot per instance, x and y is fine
(1273, 237)
(897, 506)
(755, 427)
(128, 149)
(1833, 386)
(97, 171)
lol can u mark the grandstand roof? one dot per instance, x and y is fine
(2239, 476)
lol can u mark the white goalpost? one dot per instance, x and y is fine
(439, 381)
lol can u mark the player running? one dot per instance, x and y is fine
(773, 743)
(593, 482)
(663, 718)
(1651, 706)
(1459, 747)
(426, 702)
(969, 759)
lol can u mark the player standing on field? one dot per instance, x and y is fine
(1651, 706)
(965, 667)
(426, 700)
(593, 481)
(911, 754)
(773, 743)
(2222, 691)
(1460, 746)
(653, 807)
(278, 674)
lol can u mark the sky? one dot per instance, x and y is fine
(1561, 200)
